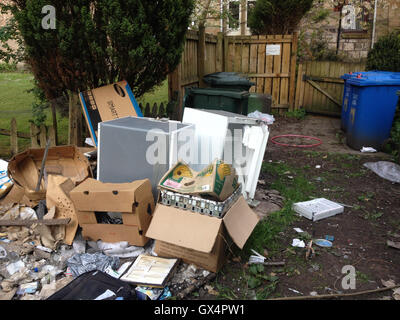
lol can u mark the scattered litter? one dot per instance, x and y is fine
(396, 294)
(367, 149)
(106, 295)
(44, 249)
(313, 293)
(385, 169)
(3, 253)
(329, 238)
(393, 244)
(257, 258)
(298, 243)
(85, 262)
(298, 230)
(295, 291)
(318, 166)
(323, 243)
(143, 293)
(28, 288)
(317, 209)
(265, 117)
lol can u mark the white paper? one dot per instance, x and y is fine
(273, 50)
(89, 142)
(298, 243)
(106, 294)
(298, 230)
(367, 149)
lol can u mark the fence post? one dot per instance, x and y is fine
(43, 136)
(220, 52)
(201, 57)
(14, 137)
(226, 53)
(73, 123)
(34, 132)
(293, 62)
(52, 136)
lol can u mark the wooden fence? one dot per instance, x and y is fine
(319, 88)
(269, 61)
(38, 135)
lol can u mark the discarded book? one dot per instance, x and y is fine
(150, 271)
(317, 209)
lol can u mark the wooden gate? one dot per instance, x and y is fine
(319, 86)
(269, 61)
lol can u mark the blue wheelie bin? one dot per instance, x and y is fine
(347, 94)
(372, 108)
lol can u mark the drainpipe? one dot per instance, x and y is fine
(373, 25)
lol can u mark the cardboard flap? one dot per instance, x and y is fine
(240, 221)
(94, 195)
(184, 228)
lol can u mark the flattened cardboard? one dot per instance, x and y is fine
(58, 196)
(66, 161)
(200, 239)
(134, 200)
(107, 103)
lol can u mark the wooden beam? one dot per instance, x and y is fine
(316, 86)
(325, 79)
(25, 223)
(269, 75)
(293, 62)
(23, 135)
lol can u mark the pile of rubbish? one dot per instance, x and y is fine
(133, 217)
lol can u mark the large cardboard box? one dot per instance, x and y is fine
(24, 168)
(200, 239)
(134, 201)
(109, 102)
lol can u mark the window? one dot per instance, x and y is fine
(234, 14)
(250, 6)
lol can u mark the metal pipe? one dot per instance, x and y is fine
(373, 25)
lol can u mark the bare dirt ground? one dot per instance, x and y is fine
(371, 217)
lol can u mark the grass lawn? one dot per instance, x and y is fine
(16, 102)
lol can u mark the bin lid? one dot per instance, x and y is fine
(378, 73)
(377, 78)
(219, 92)
(227, 78)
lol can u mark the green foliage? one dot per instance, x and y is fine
(97, 42)
(277, 16)
(298, 114)
(257, 277)
(39, 105)
(9, 32)
(321, 15)
(385, 55)
(8, 67)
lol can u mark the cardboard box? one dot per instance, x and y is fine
(133, 200)
(66, 161)
(218, 180)
(109, 102)
(200, 239)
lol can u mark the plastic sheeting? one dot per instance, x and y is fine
(85, 262)
(385, 169)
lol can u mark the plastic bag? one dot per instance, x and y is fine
(265, 117)
(385, 169)
(85, 262)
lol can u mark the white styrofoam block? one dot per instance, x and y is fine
(317, 209)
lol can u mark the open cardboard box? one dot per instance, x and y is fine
(133, 200)
(24, 168)
(200, 239)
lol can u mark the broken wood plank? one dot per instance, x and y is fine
(26, 223)
(184, 293)
(316, 86)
